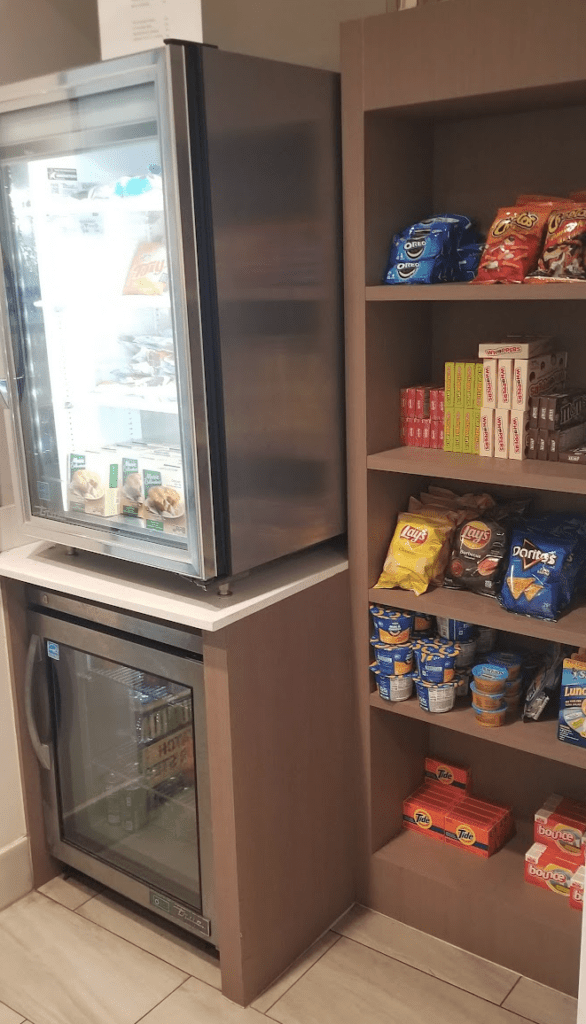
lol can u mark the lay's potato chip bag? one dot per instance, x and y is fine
(419, 551)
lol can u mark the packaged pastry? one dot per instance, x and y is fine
(131, 498)
(514, 243)
(164, 505)
(93, 483)
(148, 274)
(418, 552)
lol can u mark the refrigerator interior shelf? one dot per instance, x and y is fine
(129, 401)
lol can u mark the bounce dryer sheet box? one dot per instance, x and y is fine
(572, 714)
(549, 869)
(425, 810)
(561, 824)
(93, 483)
(577, 889)
(450, 775)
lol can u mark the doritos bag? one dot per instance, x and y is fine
(418, 552)
(514, 243)
(542, 572)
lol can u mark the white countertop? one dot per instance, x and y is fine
(162, 594)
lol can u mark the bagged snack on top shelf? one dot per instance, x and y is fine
(545, 685)
(514, 243)
(564, 249)
(435, 250)
(419, 551)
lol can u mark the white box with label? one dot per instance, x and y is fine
(129, 26)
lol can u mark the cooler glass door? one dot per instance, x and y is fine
(102, 312)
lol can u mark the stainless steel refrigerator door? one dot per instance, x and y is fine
(104, 345)
(119, 731)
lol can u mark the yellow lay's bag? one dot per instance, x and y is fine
(419, 551)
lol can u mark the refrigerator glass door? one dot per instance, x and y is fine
(103, 372)
(125, 770)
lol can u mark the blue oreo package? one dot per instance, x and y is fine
(545, 560)
(434, 251)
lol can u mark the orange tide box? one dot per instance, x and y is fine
(448, 774)
(550, 869)
(561, 824)
(425, 810)
(577, 889)
(478, 826)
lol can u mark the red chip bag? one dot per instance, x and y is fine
(564, 249)
(514, 243)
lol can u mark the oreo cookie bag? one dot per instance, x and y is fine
(434, 251)
(541, 575)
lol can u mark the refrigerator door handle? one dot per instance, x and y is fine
(42, 750)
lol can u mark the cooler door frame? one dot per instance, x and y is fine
(165, 67)
(186, 671)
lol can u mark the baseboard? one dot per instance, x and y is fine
(15, 872)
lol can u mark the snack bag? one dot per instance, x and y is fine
(542, 571)
(433, 251)
(478, 556)
(514, 243)
(564, 248)
(418, 552)
(148, 273)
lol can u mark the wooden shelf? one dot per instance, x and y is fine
(538, 738)
(474, 292)
(486, 611)
(472, 899)
(540, 476)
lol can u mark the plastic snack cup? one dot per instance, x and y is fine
(490, 678)
(487, 701)
(438, 665)
(454, 629)
(394, 660)
(512, 662)
(491, 719)
(436, 698)
(393, 626)
(393, 688)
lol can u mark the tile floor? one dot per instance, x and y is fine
(73, 954)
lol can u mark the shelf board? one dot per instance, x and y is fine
(486, 611)
(474, 292)
(115, 400)
(531, 737)
(539, 476)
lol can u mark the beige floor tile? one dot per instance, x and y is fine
(542, 1005)
(69, 892)
(353, 984)
(8, 1016)
(57, 968)
(270, 995)
(440, 959)
(120, 917)
(196, 1003)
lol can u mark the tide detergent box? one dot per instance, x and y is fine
(425, 810)
(561, 824)
(448, 774)
(577, 889)
(549, 869)
(478, 826)
(572, 714)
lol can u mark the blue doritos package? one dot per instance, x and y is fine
(544, 562)
(437, 250)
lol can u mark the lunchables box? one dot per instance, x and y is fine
(577, 889)
(561, 824)
(572, 713)
(448, 774)
(549, 869)
(425, 810)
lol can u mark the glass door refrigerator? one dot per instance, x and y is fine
(169, 225)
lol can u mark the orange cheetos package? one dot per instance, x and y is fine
(564, 248)
(419, 551)
(514, 243)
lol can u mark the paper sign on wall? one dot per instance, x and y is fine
(129, 26)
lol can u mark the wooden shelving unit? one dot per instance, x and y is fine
(466, 135)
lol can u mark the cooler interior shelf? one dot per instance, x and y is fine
(538, 738)
(474, 292)
(542, 476)
(453, 883)
(485, 611)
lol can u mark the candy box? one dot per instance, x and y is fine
(486, 432)
(572, 713)
(577, 889)
(425, 810)
(520, 346)
(504, 383)
(448, 429)
(561, 825)
(532, 377)
(450, 385)
(502, 427)
(448, 774)
(549, 869)
(93, 483)
(459, 385)
(489, 383)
